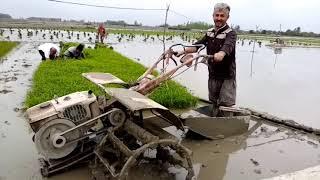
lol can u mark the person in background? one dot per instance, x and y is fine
(101, 33)
(74, 52)
(49, 51)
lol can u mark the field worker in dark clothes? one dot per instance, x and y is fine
(48, 50)
(220, 42)
(74, 52)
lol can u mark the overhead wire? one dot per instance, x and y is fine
(182, 15)
(122, 8)
(130, 8)
(110, 7)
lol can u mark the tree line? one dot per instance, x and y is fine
(5, 16)
(289, 32)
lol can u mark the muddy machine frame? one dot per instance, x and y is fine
(113, 132)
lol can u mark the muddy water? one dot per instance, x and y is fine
(47, 36)
(18, 155)
(54, 36)
(266, 151)
(285, 84)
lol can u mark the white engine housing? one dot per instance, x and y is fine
(75, 107)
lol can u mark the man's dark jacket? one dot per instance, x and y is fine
(222, 40)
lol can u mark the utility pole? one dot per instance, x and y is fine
(280, 30)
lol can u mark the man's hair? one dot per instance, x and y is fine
(52, 53)
(80, 47)
(222, 7)
(52, 57)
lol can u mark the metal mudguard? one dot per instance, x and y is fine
(103, 78)
(135, 101)
(200, 122)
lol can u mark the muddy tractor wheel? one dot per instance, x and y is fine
(50, 144)
(161, 159)
(168, 152)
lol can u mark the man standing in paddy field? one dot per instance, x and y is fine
(220, 42)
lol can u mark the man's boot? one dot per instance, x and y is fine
(214, 110)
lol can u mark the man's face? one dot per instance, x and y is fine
(220, 18)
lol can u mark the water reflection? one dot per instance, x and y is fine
(252, 53)
(215, 155)
(260, 85)
(259, 73)
(276, 50)
(273, 91)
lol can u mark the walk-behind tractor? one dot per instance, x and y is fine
(121, 133)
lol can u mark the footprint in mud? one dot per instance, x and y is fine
(274, 171)
(3, 136)
(4, 72)
(256, 163)
(291, 133)
(7, 123)
(312, 144)
(257, 171)
(26, 65)
(4, 91)
(8, 79)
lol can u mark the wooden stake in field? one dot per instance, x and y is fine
(164, 33)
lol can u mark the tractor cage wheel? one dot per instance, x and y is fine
(180, 149)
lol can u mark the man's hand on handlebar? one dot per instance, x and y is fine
(178, 53)
(183, 52)
(218, 57)
(186, 50)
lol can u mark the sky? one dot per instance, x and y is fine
(265, 14)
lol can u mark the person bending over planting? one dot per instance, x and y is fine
(74, 52)
(48, 51)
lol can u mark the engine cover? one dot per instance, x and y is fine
(75, 107)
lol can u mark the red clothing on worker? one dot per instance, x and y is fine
(101, 33)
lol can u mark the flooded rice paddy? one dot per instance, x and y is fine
(282, 84)
(285, 84)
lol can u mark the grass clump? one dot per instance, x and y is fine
(6, 46)
(173, 95)
(61, 77)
